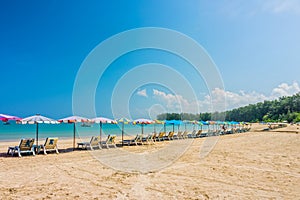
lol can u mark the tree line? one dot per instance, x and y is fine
(285, 108)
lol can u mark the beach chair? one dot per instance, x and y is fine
(25, 146)
(170, 135)
(192, 135)
(50, 145)
(154, 136)
(178, 135)
(94, 142)
(161, 136)
(198, 134)
(185, 135)
(137, 140)
(149, 138)
(110, 141)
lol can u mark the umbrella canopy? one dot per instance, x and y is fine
(4, 117)
(37, 119)
(73, 120)
(174, 122)
(156, 121)
(123, 121)
(204, 122)
(103, 120)
(143, 122)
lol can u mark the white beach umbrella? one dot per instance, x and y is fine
(38, 119)
(103, 120)
(73, 120)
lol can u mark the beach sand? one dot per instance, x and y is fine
(252, 165)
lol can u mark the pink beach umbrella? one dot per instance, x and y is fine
(37, 119)
(73, 120)
(5, 118)
(103, 120)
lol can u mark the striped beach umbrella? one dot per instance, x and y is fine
(142, 122)
(38, 119)
(73, 120)
(101, 121)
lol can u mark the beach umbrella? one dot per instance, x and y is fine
(37, 119)
(123, 121)
(73, 120)
(194, 122)
(174, 122)
(103, 120)
(143, 122)
(5, 118)
(157, 122)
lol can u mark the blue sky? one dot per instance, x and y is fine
(255, 46)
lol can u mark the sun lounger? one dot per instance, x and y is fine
(170, 135)
(50, 145)
(137, 140)
(25, 146)
(193, 134)
(110, 141)
(185, 135)
(178, 135)
(148, 139)
(198, 134)
(161, 136)
(94, 142)
(154, 136)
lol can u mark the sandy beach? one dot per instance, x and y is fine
(252, 165)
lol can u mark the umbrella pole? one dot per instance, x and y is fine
(37, 135)
(173, 128)
(100, 133)
(142, 129)
(165, 129)
(122, 134)
(154, 128)
(74, 132)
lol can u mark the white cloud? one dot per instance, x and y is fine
(285, 90)
(282, 6)
(215, 101)
(176, 103)
(142, 93)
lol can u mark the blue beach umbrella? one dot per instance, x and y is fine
(174, 122)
